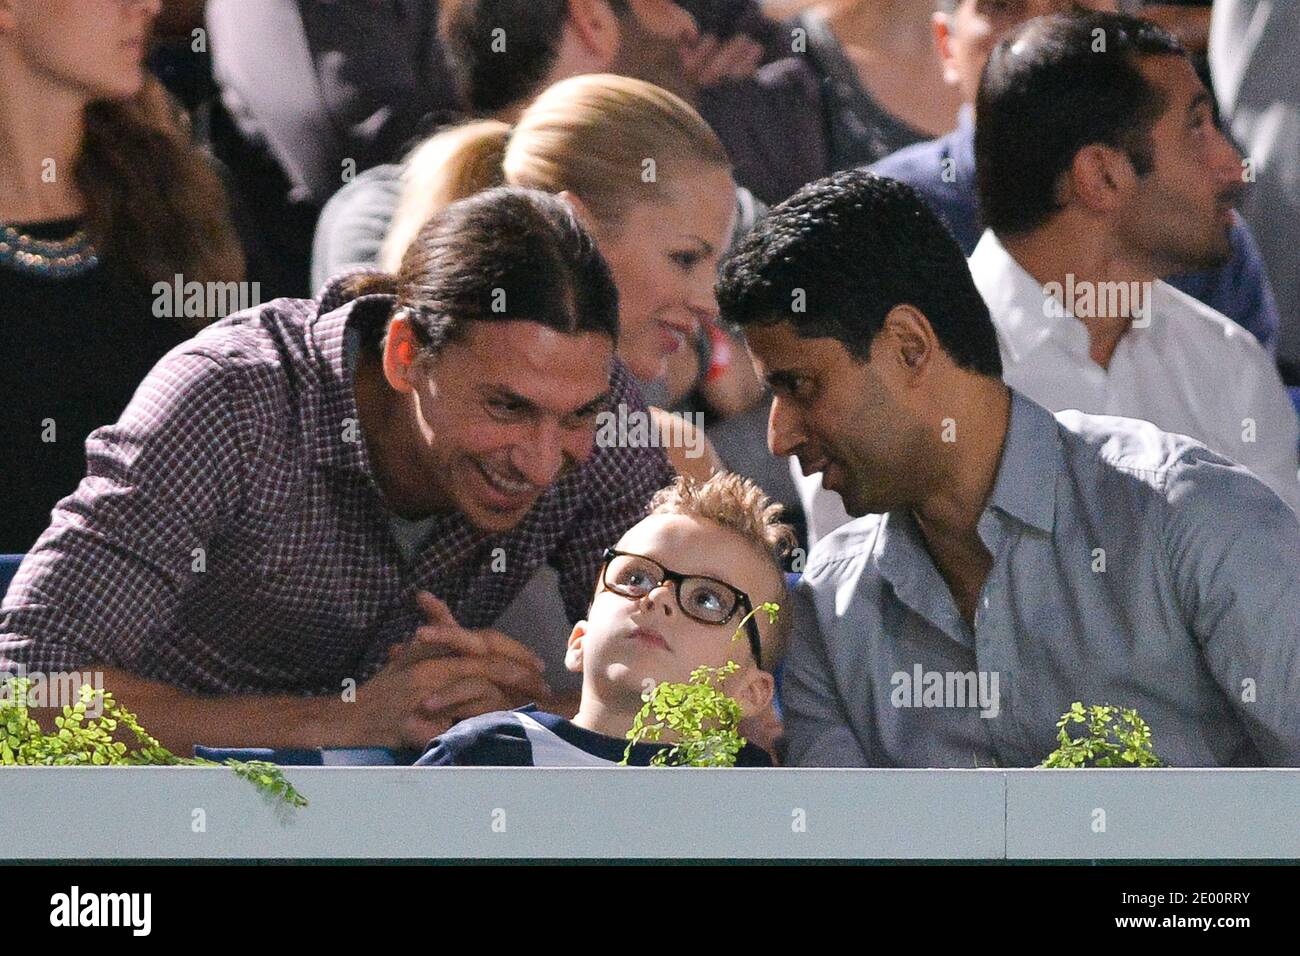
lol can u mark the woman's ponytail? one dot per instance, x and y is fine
(453, 165)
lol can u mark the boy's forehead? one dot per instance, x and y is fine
(694, 545)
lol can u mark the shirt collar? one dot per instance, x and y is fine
(1016, 301)
(332, 418)
(1025, 487)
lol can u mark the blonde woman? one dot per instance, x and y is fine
(648, 177)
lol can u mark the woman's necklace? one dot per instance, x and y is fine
(47, 258)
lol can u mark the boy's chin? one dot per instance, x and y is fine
(634, 678)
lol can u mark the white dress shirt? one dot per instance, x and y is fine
(1184, 367)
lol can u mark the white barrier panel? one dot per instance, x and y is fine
(1153, 814)
(76, 813)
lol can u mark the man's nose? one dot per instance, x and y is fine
(784, 432)
(541, 461)
(1228, 161)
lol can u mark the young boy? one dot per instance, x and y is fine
(670, 597)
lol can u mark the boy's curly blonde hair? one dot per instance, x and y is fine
(737, 504)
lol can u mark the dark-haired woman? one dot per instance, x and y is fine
(103, 196)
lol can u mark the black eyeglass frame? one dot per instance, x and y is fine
(676, 577)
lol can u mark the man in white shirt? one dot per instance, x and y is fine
(1100, 168)
(1099, 171)
(1186, 369)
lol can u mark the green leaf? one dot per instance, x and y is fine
(1116, 737)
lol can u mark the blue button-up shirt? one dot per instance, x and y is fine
(1130, 566)
(943, 171)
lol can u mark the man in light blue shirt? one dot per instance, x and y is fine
(1007, 562)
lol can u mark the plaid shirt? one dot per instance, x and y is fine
(228, 537)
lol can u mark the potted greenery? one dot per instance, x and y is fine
(81, 740)
(1115, 737)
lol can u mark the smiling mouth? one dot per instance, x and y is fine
(507, 487)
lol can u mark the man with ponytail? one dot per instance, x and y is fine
(299, 529)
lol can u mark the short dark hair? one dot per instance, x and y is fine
(491, 77)
(853, 246)
(505, 254)
(1056, 85)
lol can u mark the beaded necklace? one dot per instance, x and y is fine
(48, 258)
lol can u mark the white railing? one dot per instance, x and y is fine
(76, 813)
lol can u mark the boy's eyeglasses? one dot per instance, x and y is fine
(700, 598)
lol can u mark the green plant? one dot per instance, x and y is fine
(701, 719)
(1116, 737)
(89, 740)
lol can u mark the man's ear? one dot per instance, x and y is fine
(593, 25)
(908, 343)
(573, 656)
(943, 46)
(1101, 178)
(400, 354)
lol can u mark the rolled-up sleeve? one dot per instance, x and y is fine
(124, 546)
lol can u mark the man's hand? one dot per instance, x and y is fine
(709, 61)
(444, 674)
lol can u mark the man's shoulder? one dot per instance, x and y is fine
(1114, 458)
(246, 377)
(262, 346)
(918, 165)
(252, 335)
(1131, 472)
(932, 167)
(1203, 327)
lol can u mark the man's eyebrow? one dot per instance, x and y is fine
(707, 246)
(784, 379)
(596, 404)
(505, 394)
